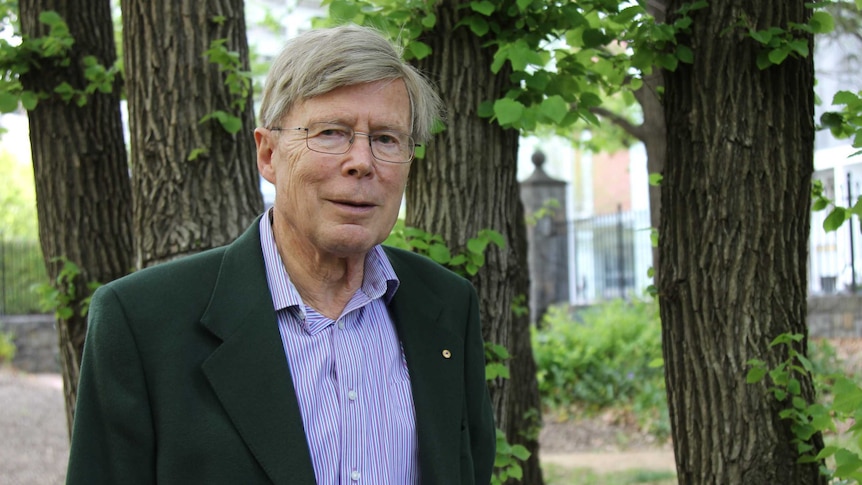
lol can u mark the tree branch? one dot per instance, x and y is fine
(636, 131)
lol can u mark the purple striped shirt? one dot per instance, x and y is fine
(350, 377)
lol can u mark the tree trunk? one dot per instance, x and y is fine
(734, 228)
(81, 171)
(184, 206)
(467, 182)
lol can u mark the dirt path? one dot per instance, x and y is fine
(33, 441)
(34, 446)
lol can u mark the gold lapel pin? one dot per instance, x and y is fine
(447, 354)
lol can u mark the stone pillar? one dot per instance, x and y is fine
(544, 200)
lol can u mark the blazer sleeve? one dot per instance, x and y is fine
(113, 434)
(480, 414)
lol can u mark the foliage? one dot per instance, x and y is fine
(846, 123)
(237, 80)
(779, 43)
(61, 297)
(563, 56)
(17, 199)
(7, 347)
(465, 263)
(840, 405)
(606, 356)
(18, 56)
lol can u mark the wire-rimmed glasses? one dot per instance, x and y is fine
(334, 139)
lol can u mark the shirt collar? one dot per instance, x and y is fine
(378, 281)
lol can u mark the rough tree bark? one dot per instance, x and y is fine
(734, 228)
(79, 161)
(467, 182)
(184, 206)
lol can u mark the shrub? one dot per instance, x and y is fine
(7, 347)
(604, 357)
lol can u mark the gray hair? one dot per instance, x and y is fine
(319, 61)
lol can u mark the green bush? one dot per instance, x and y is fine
(607, 356)
(7, 347)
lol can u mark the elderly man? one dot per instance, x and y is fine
(304, 352)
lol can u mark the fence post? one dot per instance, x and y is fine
(852, 248)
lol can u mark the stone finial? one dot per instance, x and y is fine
(538, 158)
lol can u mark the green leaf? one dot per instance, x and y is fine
(231, 124)
(800, 46)
(484, 7)
(195, 154)
(440, 253)
(655, 179)
(777, 56)
(419, 49)
(845, 97)
(8, 102)
(762, 36)
(835, 219)
(755, 375)
(667, 61)
(822, 22)
(508, 111)
(29, 100)
(478, 25)
(554, 108)
(495, 370)
(429, 21)
(684, 54)
(763, 61)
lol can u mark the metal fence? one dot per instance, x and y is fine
(611, 256)
(21, 268)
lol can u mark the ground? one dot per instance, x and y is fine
(34, 448)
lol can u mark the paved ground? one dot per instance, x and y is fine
(34, 446)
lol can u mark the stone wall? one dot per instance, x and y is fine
(835, 316)
(35, 338)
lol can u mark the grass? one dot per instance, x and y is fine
(558, 475)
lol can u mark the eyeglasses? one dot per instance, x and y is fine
(334, 139)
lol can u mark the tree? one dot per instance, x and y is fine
(79, 158)
(734, 227)
(195, 181)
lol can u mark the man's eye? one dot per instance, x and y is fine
(333, 133)
(386, 139)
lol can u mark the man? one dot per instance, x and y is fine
(303, 352)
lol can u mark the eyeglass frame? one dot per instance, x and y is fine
(353, 140)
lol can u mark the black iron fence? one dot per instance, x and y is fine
(21, 268)
(611, 256)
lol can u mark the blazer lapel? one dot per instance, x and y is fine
(249, 372)
(434, 378)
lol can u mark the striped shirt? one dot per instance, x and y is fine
(350, 377)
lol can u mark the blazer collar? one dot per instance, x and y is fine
(248, 371)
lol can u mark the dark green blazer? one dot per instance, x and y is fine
(184, 379)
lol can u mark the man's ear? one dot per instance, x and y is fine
(265, 141)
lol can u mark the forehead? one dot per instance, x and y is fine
(379, 104)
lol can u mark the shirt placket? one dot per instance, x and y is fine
(349, 359)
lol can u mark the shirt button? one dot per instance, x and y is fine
(341, 325)
(351, 394)
(354, 475)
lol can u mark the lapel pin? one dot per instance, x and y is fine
(446, 354)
